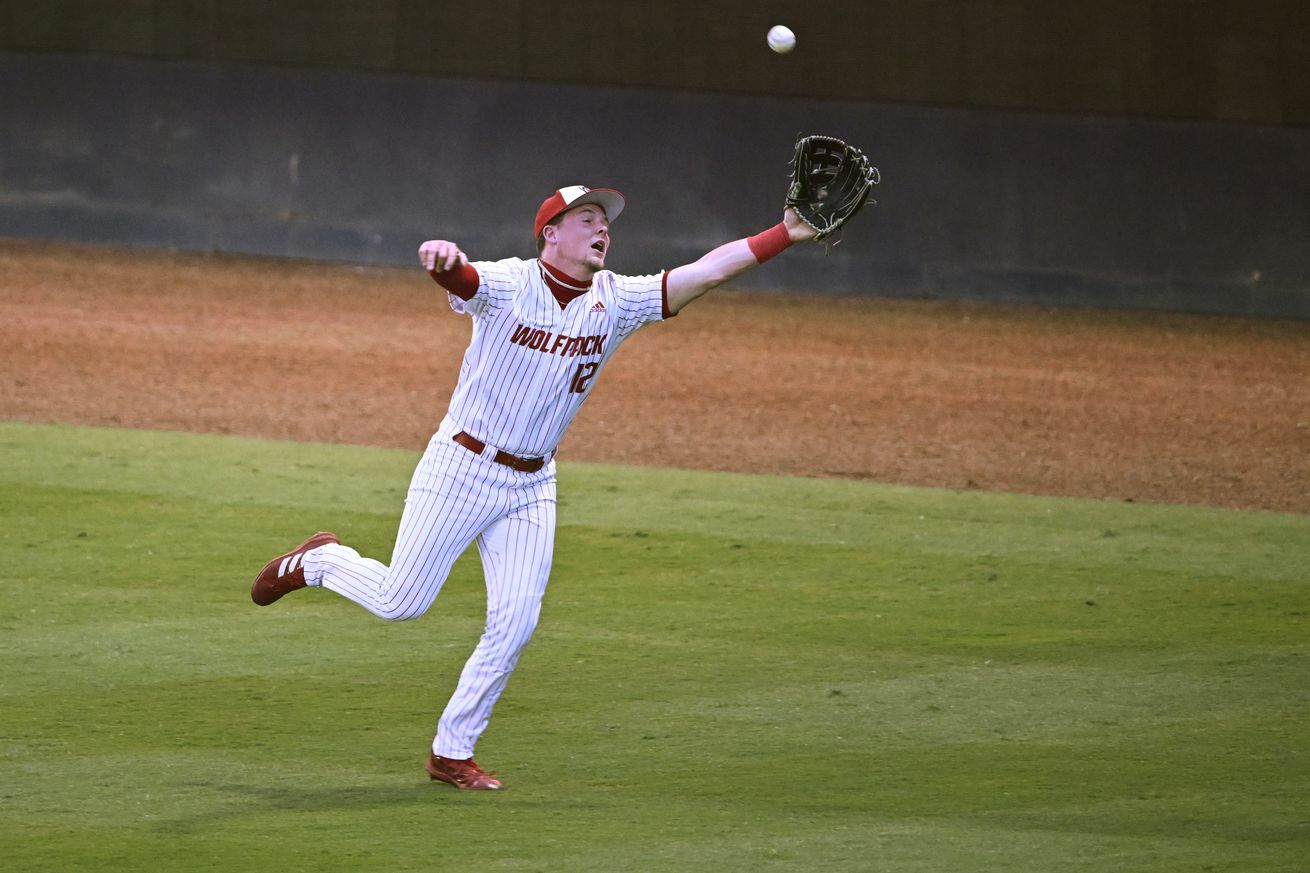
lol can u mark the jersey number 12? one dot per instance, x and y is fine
(582, 377)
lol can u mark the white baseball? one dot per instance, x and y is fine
(781, 39)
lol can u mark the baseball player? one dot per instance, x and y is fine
(543, 329)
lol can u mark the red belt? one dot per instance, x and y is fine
(514, 462)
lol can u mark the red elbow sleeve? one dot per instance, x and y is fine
(462, 281)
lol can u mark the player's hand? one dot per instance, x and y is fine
(798, 230)
(439, 255)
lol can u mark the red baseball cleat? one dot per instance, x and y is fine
(286, 573)
(465, 774)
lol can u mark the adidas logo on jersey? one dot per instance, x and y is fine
(599, 306)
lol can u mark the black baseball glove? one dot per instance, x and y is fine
(831, 181)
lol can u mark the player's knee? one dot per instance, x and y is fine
(513, 632)
(402, 599)
(402, 609)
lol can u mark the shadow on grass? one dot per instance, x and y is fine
(242, 801)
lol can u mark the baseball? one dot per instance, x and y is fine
(781, 39)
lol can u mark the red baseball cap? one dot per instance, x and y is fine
(576, 195)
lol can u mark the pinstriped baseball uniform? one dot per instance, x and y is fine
(530, 364)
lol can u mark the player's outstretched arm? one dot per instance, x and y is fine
(730, 260)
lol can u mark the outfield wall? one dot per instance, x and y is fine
(1205, 60)
(361, 166)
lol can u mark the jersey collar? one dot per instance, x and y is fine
(564, 287)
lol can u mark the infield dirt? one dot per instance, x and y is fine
(1122, 405)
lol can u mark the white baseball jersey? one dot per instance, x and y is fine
(531, 363)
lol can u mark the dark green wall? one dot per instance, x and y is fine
(1152, 155)
(1245, 61)
(359, 166)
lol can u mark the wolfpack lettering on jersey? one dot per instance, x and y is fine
(531, 363)
(541, 341)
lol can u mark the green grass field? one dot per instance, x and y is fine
(732, 673)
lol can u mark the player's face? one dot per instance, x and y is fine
(582, 237)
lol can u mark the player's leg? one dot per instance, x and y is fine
(447, 507)
(516, 559)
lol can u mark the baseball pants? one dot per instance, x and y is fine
(457, 498)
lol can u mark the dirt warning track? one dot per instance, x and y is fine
(1145, 406)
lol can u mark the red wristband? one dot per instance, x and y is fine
(769, 243)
